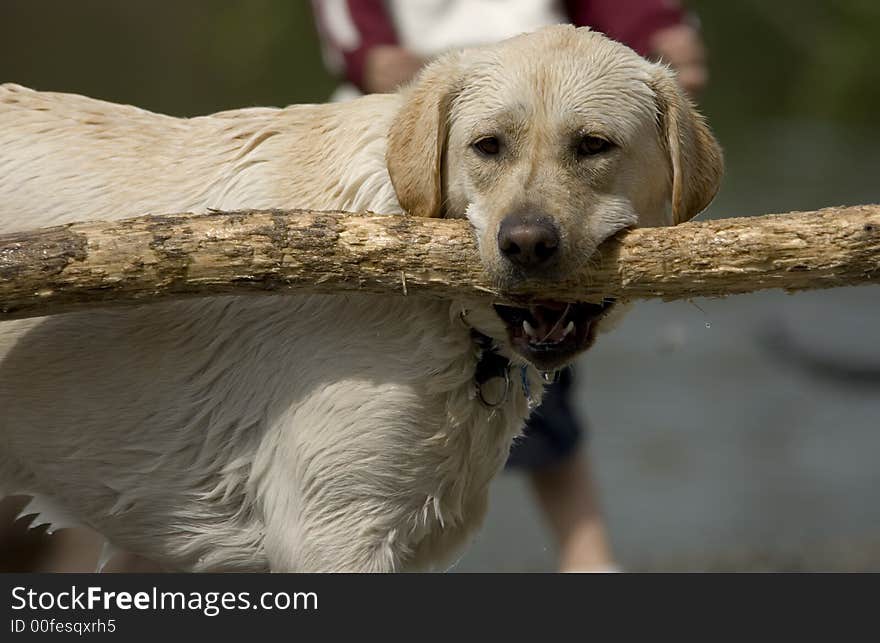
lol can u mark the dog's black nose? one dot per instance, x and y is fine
(528, 240)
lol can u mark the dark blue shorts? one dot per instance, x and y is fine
(553, 431)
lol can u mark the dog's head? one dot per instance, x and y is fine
(549, 143)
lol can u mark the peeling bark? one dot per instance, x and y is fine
(152, 258)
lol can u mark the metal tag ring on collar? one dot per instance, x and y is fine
(495, 405)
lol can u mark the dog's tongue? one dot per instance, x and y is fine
(551, 325)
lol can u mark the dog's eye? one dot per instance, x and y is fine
(488, 146)
(592, 145)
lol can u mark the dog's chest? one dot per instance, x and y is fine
(482, 417)
(386, 431)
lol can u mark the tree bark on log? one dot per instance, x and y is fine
(99, 264)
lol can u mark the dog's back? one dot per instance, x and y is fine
(65, 157)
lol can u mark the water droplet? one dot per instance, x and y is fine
(694, 304)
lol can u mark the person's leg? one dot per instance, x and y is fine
(567, 496)
(71, 550)
(23, 549)
(551, 452)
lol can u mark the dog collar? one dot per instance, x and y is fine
(490, 364)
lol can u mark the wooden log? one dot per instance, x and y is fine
(152, 258)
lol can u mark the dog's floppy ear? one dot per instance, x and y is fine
(417, 138)
(694, 154)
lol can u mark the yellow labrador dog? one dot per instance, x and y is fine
(343, 433)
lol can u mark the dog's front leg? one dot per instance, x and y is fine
(324, 541)
(324, 515)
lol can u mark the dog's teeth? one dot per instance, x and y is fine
(531, 332)
(568, 329)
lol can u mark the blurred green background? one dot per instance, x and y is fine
(710, 451)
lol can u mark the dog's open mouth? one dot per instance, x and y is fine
(549, 334)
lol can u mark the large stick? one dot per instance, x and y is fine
(154, 258)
